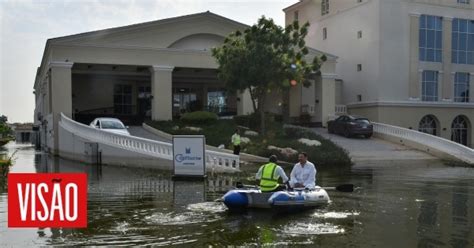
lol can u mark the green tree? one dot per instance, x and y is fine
(3, 119)
(4, 128)
(266, 57)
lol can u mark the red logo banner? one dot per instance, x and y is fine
(47, 200)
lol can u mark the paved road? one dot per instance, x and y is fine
(361, 149)
(139, 131)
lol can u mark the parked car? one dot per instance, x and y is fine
(112, 125)
(349, 125)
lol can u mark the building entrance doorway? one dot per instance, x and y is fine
(144, 102)
(186, 99)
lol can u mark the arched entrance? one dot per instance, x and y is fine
(428, 124)
(460, 130)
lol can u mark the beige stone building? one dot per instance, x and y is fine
(408, 63)
(155, 70)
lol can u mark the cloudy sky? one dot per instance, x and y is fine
(26, 25)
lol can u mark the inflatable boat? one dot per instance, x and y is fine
(286, 200)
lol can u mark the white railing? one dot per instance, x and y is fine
(131, 143)
(454, 149)
(340, 109)
(219, 159)
(149, 147)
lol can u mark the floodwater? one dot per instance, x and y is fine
(409, 204)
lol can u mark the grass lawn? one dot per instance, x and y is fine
(220, 132)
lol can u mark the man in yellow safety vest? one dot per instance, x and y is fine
(236, 142)
(268, 175)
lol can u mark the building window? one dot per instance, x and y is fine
(359, 34)
(461, 87)
(359, 67)
(295, 17)
(325, 33)
(122, 99)
(359, 98)
(217, 100)
(324, 7)
(463, 1)
(186, 100)
(463, 41)
(431, 38)
(428, 124)
(429, 86)
(459, 130)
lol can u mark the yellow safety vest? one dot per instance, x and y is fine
(268, 181)
(236, 139)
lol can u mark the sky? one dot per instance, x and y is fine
(25, 25)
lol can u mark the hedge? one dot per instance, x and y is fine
(199, 117)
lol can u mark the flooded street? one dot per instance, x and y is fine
(407, 204)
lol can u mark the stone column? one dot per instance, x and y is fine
(419, 85)
(295, 101)
(162, 91)
(414, 80)
(60, 97)
(328, 101)
(446, 82)
(308, 97)
(45, 89)
(441, 86)
(45, 110)
(471, 92)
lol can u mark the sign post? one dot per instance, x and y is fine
(189, 156)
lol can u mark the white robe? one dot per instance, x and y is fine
(305, 175)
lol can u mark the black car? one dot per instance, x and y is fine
(349, 125)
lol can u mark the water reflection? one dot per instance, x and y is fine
(428, 217)
(460, 216)
(399, 205)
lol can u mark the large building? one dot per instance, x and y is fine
(156, 70)
(409, 63)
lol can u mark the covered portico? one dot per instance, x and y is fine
(125, 92)
(195, 70)
(153, 69)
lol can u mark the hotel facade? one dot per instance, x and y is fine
(156, 70)
(409, 63)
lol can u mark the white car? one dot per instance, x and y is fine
(112, 125)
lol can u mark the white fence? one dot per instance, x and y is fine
(442, 145)
(149, 147)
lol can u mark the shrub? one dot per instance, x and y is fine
(249, 121)
(294, 132)
(199, 117)
(328, 154)
(5, 164)
(252, 121)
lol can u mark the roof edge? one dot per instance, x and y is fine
(295, 5)
(145, 24)
(332, 56)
